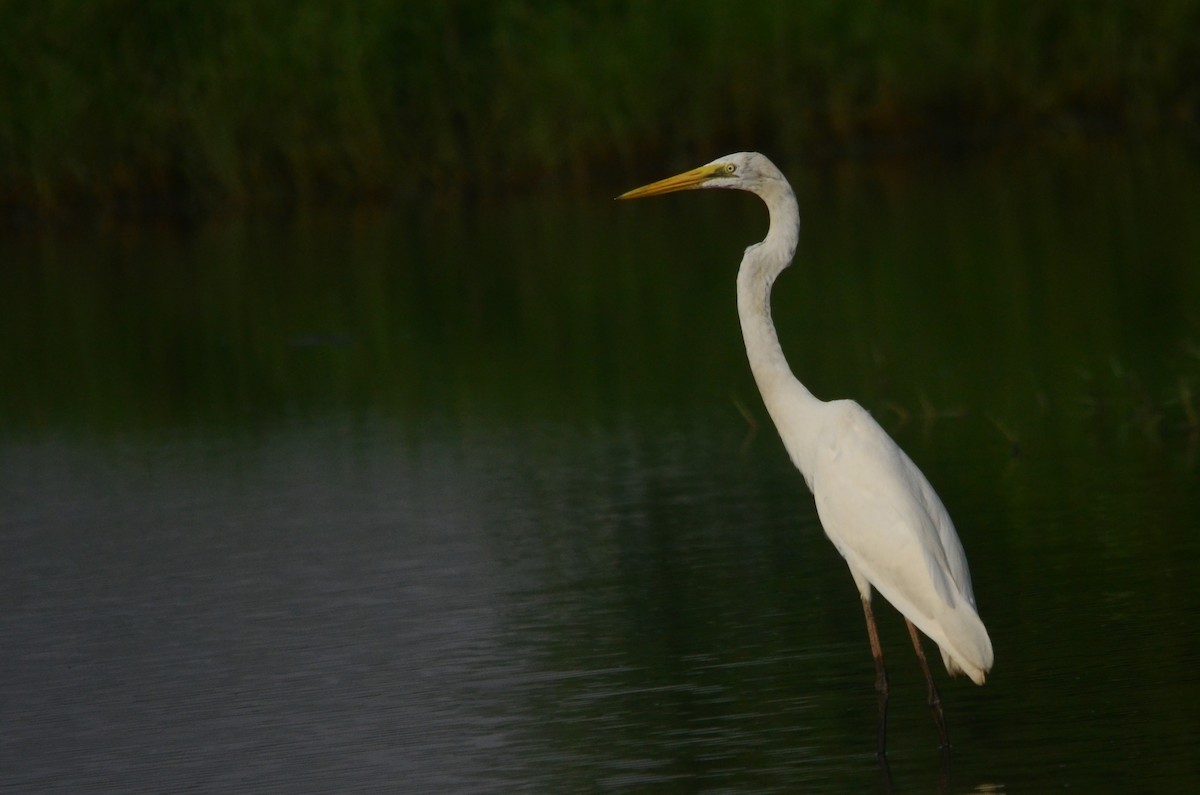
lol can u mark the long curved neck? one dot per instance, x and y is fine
(761, 264)
(789, 403)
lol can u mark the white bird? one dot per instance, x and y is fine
(875, 505)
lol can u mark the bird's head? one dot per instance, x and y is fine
(748, 171)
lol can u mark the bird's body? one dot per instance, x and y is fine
(888, 523)
(877, 508)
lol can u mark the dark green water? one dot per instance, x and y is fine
(466, 499)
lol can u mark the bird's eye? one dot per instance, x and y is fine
(730, 168)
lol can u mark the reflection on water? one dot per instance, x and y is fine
(471, 505)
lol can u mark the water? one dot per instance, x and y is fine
(467, 500)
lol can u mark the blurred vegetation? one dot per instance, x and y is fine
(228, 102)
(1009, 300)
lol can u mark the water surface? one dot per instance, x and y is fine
(483, 499)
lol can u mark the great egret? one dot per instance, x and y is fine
(875, 505)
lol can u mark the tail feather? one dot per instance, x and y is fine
(964, 643)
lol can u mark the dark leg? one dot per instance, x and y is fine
(935, 700)
(881, 680)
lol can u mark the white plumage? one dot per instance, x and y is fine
(875, 505)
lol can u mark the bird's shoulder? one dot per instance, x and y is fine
(850, 432)
(859, 468)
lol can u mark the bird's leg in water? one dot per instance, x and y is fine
(881, 680)
(935, 700)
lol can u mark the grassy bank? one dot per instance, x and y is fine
(228, 102)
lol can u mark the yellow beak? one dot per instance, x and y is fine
(688, 180)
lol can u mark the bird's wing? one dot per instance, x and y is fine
(952, 547)
(882, 515)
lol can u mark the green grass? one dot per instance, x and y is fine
(226, 102)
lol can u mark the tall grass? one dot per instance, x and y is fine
(268, 101)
